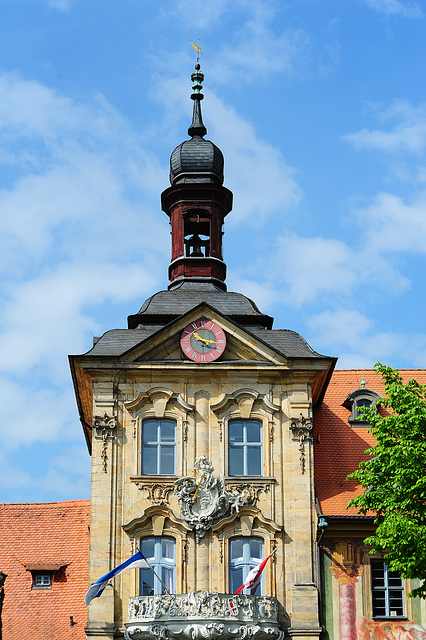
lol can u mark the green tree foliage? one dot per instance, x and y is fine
(394, 478)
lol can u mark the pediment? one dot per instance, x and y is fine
(241, 345)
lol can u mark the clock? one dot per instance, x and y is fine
(203, 340)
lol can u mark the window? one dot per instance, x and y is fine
(245, 448)
(42, 581)
(161, 555)
(357, 401)
(360, 404)
(387, 591)
(158, 447)
(244, 555)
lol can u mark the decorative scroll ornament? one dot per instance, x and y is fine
(203, 616)
(203, 498)
(105, 428)
(250, 490)
(158, 493)
(302, 431)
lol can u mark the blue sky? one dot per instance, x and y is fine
(319, 107)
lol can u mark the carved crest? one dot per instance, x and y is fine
(203, 498)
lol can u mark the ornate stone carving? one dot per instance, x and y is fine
(301, 429)
(105, 428)
(203, 616)
(250, 490)
(203, 499)
(244, 399)
(158, 492)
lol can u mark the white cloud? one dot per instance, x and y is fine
(396, 7)
(256, 170)
(392, 225)
(34, 413)
(408, 132)
(359, 344)
(64, 476)
(256, 45)
(74, 236)
(304, 269)
(49, 316)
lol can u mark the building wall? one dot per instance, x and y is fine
(347, 598)
(127, 506)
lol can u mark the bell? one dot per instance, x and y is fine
(196, 243)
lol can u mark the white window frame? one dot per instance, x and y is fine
(246, 563)
(158, 443)
(245, 445)
(159, 563)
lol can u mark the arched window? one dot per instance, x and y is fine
(245, 554)
(160, 551)
(244, 448)
(158, 447)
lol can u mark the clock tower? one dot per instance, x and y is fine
(198, 418)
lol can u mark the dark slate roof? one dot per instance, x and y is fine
(118, 341)
(165, 306)
(196, 160)
(289, 343)
(180, 301)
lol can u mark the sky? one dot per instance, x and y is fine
(319, 107)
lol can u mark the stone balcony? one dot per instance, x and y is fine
(203, 616)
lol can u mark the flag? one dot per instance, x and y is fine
(196, 47)
(135, 562)
(254, 575)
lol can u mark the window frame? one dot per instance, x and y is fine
(245, 445)
(42, 574)
(388, 589)
(159, 444)
(158, 563)
(246, 562)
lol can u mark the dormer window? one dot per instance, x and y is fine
(44, 573)
(42, 580)
(357, 402)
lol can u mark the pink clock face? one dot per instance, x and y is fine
(203, 341)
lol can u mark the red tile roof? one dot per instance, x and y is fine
(338, 446)
(45, 536)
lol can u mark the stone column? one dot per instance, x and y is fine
(346, 569)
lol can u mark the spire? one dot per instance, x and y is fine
(197, 203)
(197, 127)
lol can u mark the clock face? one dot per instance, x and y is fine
(203, 340)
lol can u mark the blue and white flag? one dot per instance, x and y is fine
(135, 562)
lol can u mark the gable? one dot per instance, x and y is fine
(165, 344)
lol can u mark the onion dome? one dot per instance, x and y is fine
(196, 160)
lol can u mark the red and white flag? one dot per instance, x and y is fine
(254, 575)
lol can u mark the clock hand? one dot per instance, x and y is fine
(205, 340)
(195, 496)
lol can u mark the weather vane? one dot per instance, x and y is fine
(197, 49)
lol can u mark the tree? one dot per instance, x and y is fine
(394, 478)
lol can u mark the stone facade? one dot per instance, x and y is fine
(156, 381)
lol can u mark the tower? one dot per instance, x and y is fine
(198, 417)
